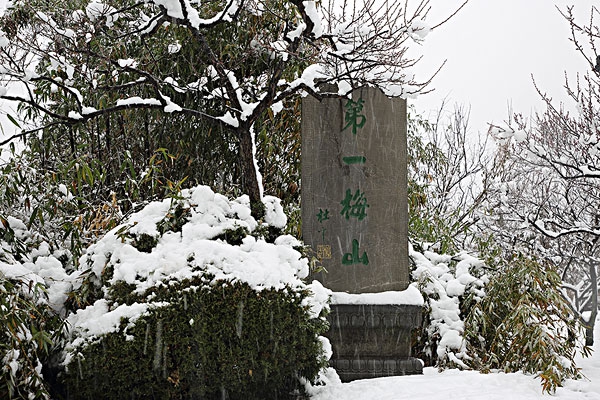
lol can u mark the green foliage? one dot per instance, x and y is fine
(279, 154)
(136, 153)
(60, 211)
(29, 330)
(210, 341)
(524, 324)
(233, 236)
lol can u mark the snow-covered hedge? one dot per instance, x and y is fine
(189, 300)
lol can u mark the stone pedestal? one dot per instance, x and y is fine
(371, 341)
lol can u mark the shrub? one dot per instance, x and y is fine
(450, 286)
(203, 310)
(28, 328)
(524, 324)
(209, 341)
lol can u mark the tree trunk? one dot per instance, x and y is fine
(589, 326)
(250, 184)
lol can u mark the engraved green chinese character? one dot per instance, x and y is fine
(354, 160)
(322, 215)
(353, 257)
(354, 205)
(353, 116)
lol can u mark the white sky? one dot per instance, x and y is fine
(492, 48)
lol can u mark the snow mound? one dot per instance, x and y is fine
(201, 234)
(198, 245)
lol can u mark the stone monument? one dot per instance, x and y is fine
(355, 218)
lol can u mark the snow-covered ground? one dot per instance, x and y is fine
(469, 385)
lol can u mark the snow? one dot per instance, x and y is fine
(310, 8)
(129, 62)
(294, 34)
(194, 251)
(520, 136)
(310, 76)
(88, 110)
(229, 119)
(443, 285)
(16, 271)
(11, 361)
(99, 319)
(277, 107)
(174, 9)
(410, 296)
(419, 29)
(463, 385)
(263, 264)
(174, 48)
(97, 9)
(137, 100)
(318, 300)
(74, 115)
(4, 42)
(274, 214)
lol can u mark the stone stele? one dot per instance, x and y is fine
(354, 190)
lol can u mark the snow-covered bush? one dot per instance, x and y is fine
(450, 286)
(33, 290)
(29, 327)
(496, 315)
(524, 324)
(189, 299)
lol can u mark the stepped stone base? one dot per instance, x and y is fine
(350, 370)
(371, 341)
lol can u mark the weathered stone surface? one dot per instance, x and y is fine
(355, 218)
(353, 369)
(354, 190)
(373, 340)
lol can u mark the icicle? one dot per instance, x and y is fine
(240, 318)
(79, 365)
(146, 338)
(158, 346)
(271, 329)
(164, 362)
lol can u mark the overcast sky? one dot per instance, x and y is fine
(492, 48)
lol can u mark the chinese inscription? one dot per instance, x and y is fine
(353, 199)
(322, 215)
(353, 257)
(354, 205)
(354, 160)
(353, 116)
